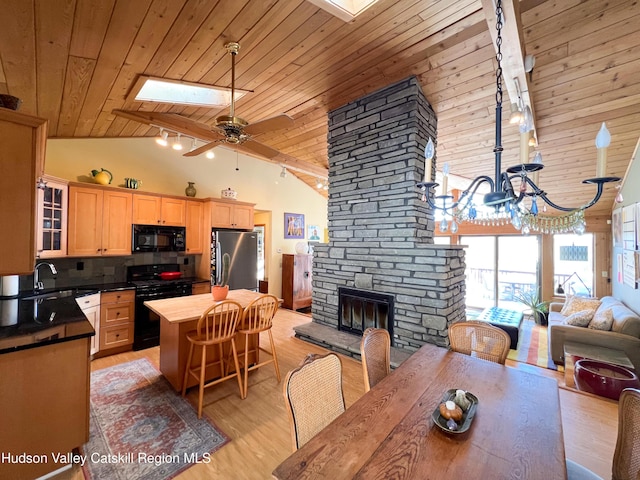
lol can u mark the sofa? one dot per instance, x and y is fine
(624, 334)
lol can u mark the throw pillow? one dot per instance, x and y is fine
(579, 319)
(602, 320)
(575, 304)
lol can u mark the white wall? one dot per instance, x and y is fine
(163, 170)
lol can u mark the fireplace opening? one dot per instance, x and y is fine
(362, 309)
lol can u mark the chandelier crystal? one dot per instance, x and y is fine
(506, 204)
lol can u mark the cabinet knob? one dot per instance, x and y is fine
(98, 250)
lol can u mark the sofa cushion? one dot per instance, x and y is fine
(625, 320)
(575, 304)
(602, 319)
(579, 319)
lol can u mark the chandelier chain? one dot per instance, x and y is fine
(499, 52)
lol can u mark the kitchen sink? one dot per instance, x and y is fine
(73, 292)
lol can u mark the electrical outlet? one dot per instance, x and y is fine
(605, 274)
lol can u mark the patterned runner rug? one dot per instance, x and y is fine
(140, 428)
(533, 346)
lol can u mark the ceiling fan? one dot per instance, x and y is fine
(237, 131)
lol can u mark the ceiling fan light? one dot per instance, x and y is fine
(162, 138)
(177, 145)
(210, 155)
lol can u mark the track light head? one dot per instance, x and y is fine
(210, 155)
(177, 145)
(283, 173)
(162, 138)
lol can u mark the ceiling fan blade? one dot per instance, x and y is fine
(202, 149)
(269, 124)
(259, 148)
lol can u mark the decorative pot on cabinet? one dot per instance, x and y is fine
(190, 191)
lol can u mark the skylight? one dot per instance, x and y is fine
(345, 10)
(149, 89)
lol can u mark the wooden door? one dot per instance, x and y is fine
(85, 221)
(302, 290)
(195, 226)
(116, 219)
(243, 217)
(221, 215)
(21, 158)
(147, 209)
(173, 212)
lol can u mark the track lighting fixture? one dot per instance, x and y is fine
(319, 184)
(193, 145)
(177, 145)
(162, 138)
(283, 173)
(210, 155)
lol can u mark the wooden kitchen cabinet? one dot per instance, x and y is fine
(116, 321)
(232, 214)
(99, 221)
(22, 146)
(51, 223)
(90, 306)
(200, 288)
(158, 210)
(296, 281)
(195, 226)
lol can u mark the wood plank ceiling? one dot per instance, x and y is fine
(74, 62)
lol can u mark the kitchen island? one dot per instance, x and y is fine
(179, 316)
(44, 392)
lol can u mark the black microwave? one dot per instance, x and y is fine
(151, 238)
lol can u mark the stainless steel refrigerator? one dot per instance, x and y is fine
(242, 247)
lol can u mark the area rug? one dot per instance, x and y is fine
(140, 428)
(533, 346)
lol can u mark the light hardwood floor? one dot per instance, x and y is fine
(259, 429)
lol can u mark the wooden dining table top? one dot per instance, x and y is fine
(184, 309)
(389, 432)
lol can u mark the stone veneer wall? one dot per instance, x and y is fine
(380, 232)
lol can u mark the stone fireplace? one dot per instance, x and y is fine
(380, 232)
(361, 309)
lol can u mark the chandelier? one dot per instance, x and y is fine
(506, 203)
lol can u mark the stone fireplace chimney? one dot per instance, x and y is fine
(380, 232)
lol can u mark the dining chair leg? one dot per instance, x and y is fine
(273, 354)
(203, 369)
(245, 375)
(185, 380)
(238, 372)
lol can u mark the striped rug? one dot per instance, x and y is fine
(533, 346)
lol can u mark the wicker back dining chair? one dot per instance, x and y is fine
(480, 339)
(313, 396)
(626, 458)
(258, 317)
(216, 326)
(375, 351)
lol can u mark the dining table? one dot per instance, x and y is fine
(179, 316)
(390, 432)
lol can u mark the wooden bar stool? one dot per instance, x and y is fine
(258, 317)
(216, 326)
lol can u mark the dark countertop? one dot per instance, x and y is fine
(28, 323)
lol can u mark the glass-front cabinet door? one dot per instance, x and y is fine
(52, 219)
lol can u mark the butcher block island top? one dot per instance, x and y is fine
(184, 309)
(179, 316)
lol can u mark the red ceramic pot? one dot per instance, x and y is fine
(219, 293)
(604, 379)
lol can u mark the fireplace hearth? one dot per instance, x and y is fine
(362, 309)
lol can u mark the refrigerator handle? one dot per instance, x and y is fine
(218, 259)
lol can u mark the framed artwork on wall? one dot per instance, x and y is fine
(293, 225)
(313, 233)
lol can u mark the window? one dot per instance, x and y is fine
(499, 268)
(573, 264)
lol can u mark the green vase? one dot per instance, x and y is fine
(190, 190)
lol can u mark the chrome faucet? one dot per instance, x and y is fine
(37, 284)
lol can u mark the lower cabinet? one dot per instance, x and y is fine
(200, 288)
(116, 321)
(296, 281)
(90, 306)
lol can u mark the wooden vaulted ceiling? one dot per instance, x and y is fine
(74, 62)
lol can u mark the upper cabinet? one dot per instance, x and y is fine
(195, 226)
(51, 223)
(99, 221)
(232, 214)
(157, 210)
(22, 146)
